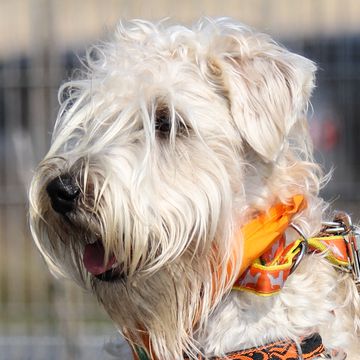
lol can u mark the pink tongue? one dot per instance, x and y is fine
(94, 255)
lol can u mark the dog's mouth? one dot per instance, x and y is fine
(93, 258)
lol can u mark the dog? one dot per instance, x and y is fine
(176, 152)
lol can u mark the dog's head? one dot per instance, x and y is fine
(171, 139)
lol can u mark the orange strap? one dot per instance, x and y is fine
(334, 247)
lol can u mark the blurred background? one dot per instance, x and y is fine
(41, 42)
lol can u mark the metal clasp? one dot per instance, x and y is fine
(303, 247)
(342, 225)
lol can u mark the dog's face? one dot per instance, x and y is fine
(169, 141)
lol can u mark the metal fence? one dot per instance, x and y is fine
(41, 318)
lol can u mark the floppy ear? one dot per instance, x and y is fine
(268, 88)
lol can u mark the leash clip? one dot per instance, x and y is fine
(342, 225)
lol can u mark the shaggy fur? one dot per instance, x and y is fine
(176, 137)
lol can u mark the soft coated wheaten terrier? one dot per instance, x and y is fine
(181, 189)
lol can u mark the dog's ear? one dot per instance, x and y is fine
(267, 87)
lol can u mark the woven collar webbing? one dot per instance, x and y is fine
(310, 348)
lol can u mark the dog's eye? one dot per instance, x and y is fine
(162, 121)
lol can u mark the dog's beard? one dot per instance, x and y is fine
(166, 257)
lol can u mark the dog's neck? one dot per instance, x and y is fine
(255, 237)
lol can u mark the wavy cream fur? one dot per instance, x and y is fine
(168, 207)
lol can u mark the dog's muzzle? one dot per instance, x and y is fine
(63, 193)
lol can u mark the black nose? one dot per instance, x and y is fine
(63, 193)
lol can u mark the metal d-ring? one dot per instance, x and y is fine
(304, 248)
